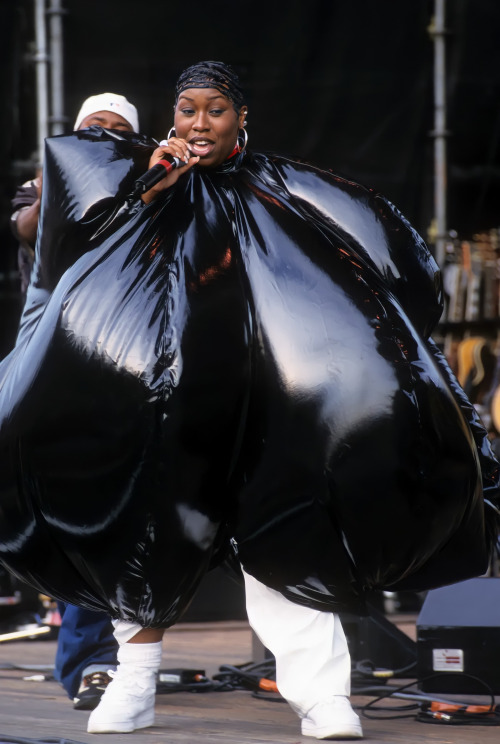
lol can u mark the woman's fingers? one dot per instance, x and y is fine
(172, 177)
(177, 147)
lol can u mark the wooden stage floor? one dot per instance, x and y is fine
(40, 711)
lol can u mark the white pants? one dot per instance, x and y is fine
(310, 648)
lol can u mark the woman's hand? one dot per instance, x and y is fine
(26, 224)
(178, 148)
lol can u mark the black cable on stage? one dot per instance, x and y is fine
(27, 668)
(250, 676)
(366, 668)
(445, 712)
(21, 740)
(417, 705)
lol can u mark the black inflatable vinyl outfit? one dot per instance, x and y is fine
(248, 360)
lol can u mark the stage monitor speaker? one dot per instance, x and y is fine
(458, 630)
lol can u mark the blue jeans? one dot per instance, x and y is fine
(85, 637)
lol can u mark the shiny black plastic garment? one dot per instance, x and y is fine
(247, 357)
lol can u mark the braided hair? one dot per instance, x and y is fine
(212, 75)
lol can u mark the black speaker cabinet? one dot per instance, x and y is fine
(458, 634)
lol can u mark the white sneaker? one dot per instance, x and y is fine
(332, 719)
(128, 703)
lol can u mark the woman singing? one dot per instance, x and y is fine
(241, 363)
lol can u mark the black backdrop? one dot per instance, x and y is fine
(345, 85)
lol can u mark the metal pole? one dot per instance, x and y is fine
(440, 133)
(41, 60)
(57, 118)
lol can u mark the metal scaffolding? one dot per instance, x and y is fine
(48, 59)
(440, 133)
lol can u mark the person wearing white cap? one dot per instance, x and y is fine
(107, 110)
(86, 648)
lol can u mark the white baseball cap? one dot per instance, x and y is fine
(109, 102)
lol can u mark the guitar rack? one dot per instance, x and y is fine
(469, 331)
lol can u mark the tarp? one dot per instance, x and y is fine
(244, 362)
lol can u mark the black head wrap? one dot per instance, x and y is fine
(211, 75)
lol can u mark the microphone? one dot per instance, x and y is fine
(155, 174)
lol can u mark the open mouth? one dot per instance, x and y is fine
(201, 147)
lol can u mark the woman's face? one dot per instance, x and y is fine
(207, 120)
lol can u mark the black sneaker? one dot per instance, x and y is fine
(94, 682)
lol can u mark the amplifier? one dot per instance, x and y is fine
(458, 634)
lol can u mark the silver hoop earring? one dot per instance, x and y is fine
(242, 146)
(172, 129)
